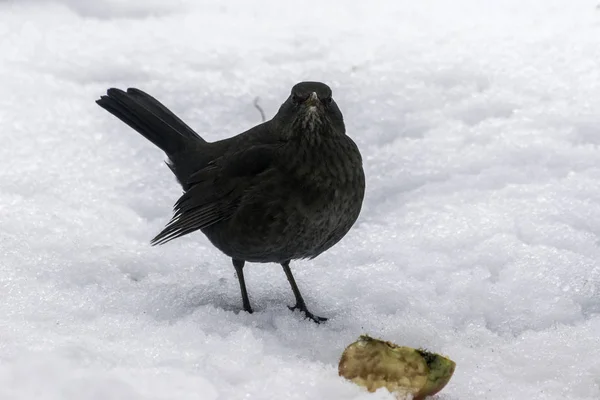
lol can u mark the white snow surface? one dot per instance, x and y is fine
(479, 123)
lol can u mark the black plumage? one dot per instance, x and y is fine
(289, 188)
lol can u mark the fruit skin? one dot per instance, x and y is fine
(374, 363)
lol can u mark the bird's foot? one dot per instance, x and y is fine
(308, 314)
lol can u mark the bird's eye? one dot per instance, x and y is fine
(327, 101)
(295, 99)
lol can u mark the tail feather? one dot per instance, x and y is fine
(151, 119)
(163, 112)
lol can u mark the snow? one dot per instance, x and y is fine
(479, 238)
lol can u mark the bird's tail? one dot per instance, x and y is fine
(155, 122)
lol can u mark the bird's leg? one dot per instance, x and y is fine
(300, 305)
(239, 271)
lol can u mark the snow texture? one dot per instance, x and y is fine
(479, 123)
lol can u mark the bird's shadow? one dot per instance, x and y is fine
(215, 308)
(172, 303)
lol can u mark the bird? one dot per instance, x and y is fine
(287, 189)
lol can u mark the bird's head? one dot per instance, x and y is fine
(310, 110)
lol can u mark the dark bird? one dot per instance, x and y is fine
(289, 188)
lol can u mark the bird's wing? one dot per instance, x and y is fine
(215, 190)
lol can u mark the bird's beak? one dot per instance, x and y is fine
(312, 100)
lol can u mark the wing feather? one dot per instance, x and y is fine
(215, 191)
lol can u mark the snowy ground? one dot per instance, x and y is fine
(480, 235)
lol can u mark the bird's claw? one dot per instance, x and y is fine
(308, 314)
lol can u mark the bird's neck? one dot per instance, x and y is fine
(313, 132)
